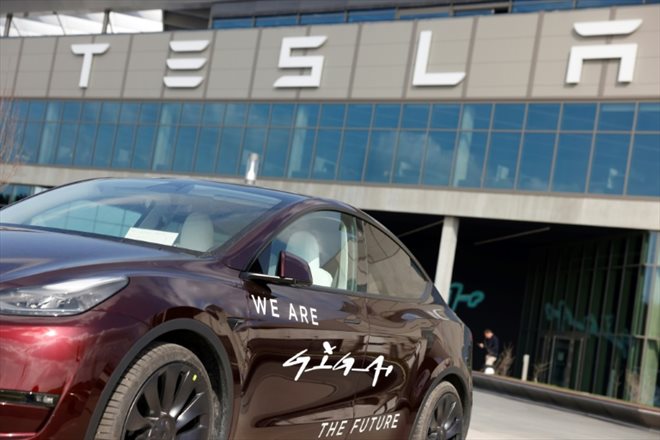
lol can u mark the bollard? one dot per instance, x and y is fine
(525, 366)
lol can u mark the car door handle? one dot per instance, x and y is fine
(352, 321)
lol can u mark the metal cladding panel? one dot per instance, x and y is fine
(10, 50)
(515, 56)
(231, 64)
(64, 81)
(34, 68)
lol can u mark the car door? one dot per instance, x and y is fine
(305, 342)
(401, 328)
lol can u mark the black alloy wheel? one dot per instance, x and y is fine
(446, 419)
(166, 394)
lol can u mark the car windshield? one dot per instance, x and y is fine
(195, 216)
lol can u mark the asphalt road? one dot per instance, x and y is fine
(497, 417)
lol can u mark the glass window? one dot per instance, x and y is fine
(371, 15)
(536, 5)
(409, 155)
(277, 20)
(235, 114)
(144, 144)
(616, 117)
(191, 113)
(535, 161)
(230, 147)
(472, 12)
(387, 115)
(105, 139)
(476, 116)
(300, 157)
(601, 3)
(359, 115)
(502, 159)
(213, 114)
(381, 152)
(233, 23)
(37, 110)
(85, 144)
(327, 151)
(327, 241)
(644, 175)
(415, 116)
(332, 115)
(439, 156)
(184, 152)
(110, 112)
(129, 112)
(71, 111)
(648, 117)
(253, 142)
(276, 152)
(542, 116)
(508, 116)
(66, 143)
(578, 117)
(421, 16)
(445, 116)
(258, 115)
(391, 272)
(170, 114)
(164, 148)
(323, 18)
(307, 115)
(206, 149)
(19, 109)
(149, 113)
(609, 163)
(31, 141)
(570, 172)
(352, 155)
(123, 146)
(53, 111)
(469, 162)
(91, 111)
(282, 115)
(48, 138)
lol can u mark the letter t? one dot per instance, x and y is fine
(88, 51)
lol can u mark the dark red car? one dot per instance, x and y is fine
(184, 309)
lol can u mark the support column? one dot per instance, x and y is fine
(445, 267)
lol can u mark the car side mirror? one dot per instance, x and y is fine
(291, 271)
(292, 267)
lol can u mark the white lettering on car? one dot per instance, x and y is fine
(346, 363)
(360, 425)
(297, 313)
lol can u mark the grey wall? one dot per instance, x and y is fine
(514, 56)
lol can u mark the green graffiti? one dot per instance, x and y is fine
(563, 316)
(471, 300)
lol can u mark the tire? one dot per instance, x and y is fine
(166, 393)
(441, 415)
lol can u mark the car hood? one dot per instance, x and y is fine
(31, 252)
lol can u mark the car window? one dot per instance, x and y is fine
(390, 270)
(196, 216)
(327, 241)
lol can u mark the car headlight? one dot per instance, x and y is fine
(64, 298)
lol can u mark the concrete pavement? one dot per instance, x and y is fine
(498, 417)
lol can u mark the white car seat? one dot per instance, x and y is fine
(304, 245)
(197, 232)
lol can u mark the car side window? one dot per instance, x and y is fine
(390, 269)
(327, 241)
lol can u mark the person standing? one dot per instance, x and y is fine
(492, 346)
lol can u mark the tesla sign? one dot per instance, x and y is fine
(312, 64)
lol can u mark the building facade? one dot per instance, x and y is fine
(516, 150)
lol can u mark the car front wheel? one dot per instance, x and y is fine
(441, 415)
(165, 394)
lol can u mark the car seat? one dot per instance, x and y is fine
(197, 232)
(304, 245)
